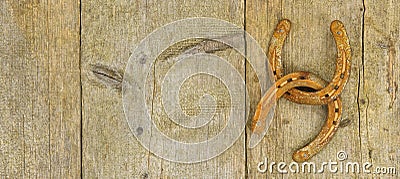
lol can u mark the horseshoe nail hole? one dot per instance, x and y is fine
(287, 93)
(342, 76)
(335, 123)
(302, 77)
(306, 89)
(280, 30)
(279, 86)
(139, 131)
(327, 95)
(289, 80)
(274, 72)
(336, 110)
(336, 87)
(338, 32)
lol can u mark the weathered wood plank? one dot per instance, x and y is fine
(40, 89)
(110, 33)
(379, 98)
(15, 95)
(261, 19)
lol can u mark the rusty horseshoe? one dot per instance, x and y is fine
(319, 91)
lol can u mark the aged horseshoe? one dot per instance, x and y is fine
(342, 72)
(323, 94)
(285, 84)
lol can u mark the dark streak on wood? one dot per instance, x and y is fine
(194, 46)
(391, 47)
(108, 76)
(392, 86)
(370, 153)
(144, 175)
(391, 81)
(207, 46)
(345, 123)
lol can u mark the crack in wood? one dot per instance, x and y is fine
(390, 49)
(108, 76)
(206, 46)
(391, 79)
(345, 122)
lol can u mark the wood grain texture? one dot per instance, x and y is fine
(110, 32)
(379, 98)
(40, 89)
(42, 62)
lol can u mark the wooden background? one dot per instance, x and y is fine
(62, 63)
